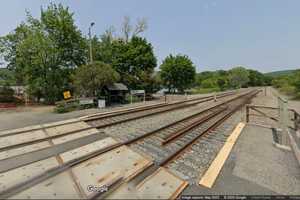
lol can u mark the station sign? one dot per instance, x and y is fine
(137, 92)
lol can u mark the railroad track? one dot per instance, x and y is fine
(169, 142)
(174, 139)
(102, 120)
(121, 117)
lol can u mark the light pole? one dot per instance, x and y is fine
(90, 36)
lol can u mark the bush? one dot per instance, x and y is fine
(66, 106)
(205, 90)
(288, 90)
(6, 95)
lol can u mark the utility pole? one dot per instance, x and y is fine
(90, 37)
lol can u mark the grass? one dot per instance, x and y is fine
(204, 90)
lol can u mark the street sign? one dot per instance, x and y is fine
(67, 95)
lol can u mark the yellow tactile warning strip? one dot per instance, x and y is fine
(214, 169)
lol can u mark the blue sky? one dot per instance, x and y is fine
(216, 34)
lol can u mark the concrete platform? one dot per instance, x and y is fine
(255, 167)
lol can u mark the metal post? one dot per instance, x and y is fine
(130, 98)
(215, 97)
(144, 97)
(265, 91)
(283, 120)
(165, 98)
(90, 38)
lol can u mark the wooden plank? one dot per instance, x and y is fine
(86, 149)
(160, 185)
(102, 169)
(74, 136)
(58, 130)
(21, 174)
(21, 138)
(58, 187)
(22, 150)
(214, 169)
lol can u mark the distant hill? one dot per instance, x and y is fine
(280, 73)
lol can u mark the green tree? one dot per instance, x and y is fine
(7, 77)
(45, 76)
(132, 60)
(57, 21)
(90, 79)
(256, 78)
(44, 52)
(296, 83)
(177, 72)
(8, 47)
(238, 77)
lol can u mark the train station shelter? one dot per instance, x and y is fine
(115, 93)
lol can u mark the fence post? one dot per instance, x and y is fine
(247, 113)
(296, 120)
(215, 97)
(283, 120)
(265, 91)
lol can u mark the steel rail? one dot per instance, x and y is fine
(144, 108)
(207, 130)
(57, 170)
(116, 113)
(75, 131)
(167, 160)
(157, 112)
(184, 130)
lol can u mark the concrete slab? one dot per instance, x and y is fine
(74, 120)
(74, 136)
(58, 187)
(58, 130)
(102, 169)
(41, 154)
(160, 185)
(22, 150)
(21, 138)
(87, 149)
(21, 174)
(255, 167)
(259, 161)
(27, 128)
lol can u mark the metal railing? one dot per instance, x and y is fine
(257, 108)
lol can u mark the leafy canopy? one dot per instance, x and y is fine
(134, 60)
(238, 77)
(177, 72)
(90, 79)
(44, 52)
